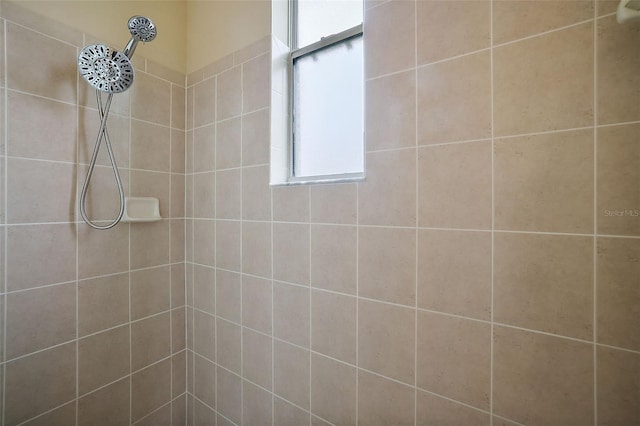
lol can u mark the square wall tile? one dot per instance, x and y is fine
(291, 253)
(528, 95)
(229, 94)
(386, 340)
(291, 313)
(54, 138)
(178, 330)
(618, 81)
(291, 373)
(204, 95)
(454, 187)
(545, 182)
(178, 102)
(384, 402)
(204, 232)
(454, 272)
(39, 318)
(618, 175)
(150, 291)
(387, 264)
(545, 283)
(60, 416)
(150, 340)
(256, 248)
(391, 111)
(453, 92)
(229, 392)
(516, 20)
(389, 38)
(50, 60)
(204, 289)
(333, 325)
(433, 410)
(204, 334)
(53, 245)
(151, 99)
(333, 390)
(285, 413)
(228, 244)
(228, 140)
(110, 351)
(388, 196)
(541, 379)
(454, 358)
(291, 203)
(150, 146)
(150, 389)
(109, 405)
(204, 149)
(39, 382)
(204, 373)
(334, 258)
(178, 285)
(204, 195)
(228, 194)
(256, 83)
(40, 191)
(255, 138)
(618, 293)
(102, 303)
(228, 295)
(256, 193)
(257, 405)
(257, 358)
(618, 384)
(229, 345)
(438, 39)
(150, 244)
(256, 303)
(335, 203)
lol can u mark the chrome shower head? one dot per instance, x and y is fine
(105, 69)
(141, 29)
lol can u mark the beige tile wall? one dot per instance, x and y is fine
(485, 272)
(93, 322)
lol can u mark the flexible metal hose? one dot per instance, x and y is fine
(103, 110)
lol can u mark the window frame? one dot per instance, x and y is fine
(296, 53)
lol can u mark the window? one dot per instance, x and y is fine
(326, 90)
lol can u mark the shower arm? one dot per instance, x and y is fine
(104, 114)
(130, 48)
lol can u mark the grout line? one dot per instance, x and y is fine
(171, 254)
(357, 301)
(273, 346)
(4, 230)
(417, 217)
(555, 30)
(310, 308)
(38, 32)
(241, 279)
(595, 218)
(493, 216)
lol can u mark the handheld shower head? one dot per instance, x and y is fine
(105, 69)
(141, 29)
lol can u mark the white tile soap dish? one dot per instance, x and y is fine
(141, 209)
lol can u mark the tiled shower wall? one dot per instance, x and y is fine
(93, 321)
(487, 269)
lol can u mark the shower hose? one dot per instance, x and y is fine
(103, 134)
